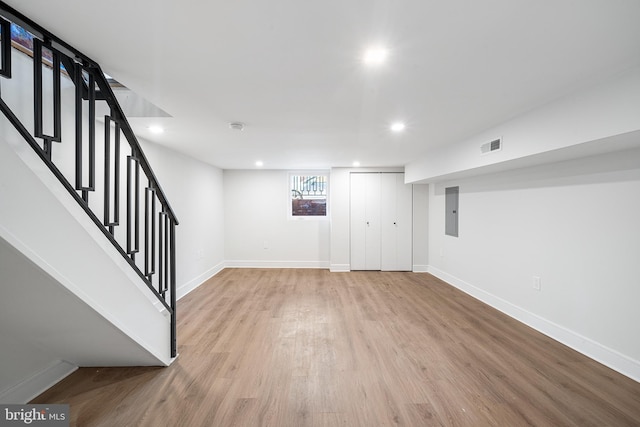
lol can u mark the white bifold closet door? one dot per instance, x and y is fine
(396, 223)
(365, 221)
(381, 222)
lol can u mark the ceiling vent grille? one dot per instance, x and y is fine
(491, 146)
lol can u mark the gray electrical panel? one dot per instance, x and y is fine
(451, 211)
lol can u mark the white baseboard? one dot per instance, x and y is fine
(33, 386)
(417, 268)
(277, 264)
(596, 351)
(340, 268)
(197, 281)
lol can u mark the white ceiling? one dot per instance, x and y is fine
(292, 70)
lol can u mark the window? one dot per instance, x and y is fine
(308, 195)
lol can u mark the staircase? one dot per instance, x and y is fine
(87, 236)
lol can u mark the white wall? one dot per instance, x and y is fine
(257, 230)
(607, 109)
(420, 227)
(573, 224)
(24, 357)
(340, 219)
(195, 191)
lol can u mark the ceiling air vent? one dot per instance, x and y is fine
(491, 146)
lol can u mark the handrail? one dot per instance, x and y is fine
(91, 86)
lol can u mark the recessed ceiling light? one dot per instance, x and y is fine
(356, 163)
(156, 129)
(375, 55)
(236, 125)
(259, 163)
(397, 127)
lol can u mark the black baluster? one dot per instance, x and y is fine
(38, 97)
(111, 217)
(166, 257)
(162, 217)
(78, 118)
(133, 206)
(5, 46)
(149, 229)
(92, 132)
(89, 93)
(172, 281)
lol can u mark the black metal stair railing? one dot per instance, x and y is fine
(144, 235)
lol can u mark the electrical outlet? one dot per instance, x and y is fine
(536, 283)
(265, 244)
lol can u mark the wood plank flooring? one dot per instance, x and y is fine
(292, 347)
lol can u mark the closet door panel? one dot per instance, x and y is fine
(388, 218)
(373, 225)
(397, 199)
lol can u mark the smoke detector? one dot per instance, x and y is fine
(236, 125)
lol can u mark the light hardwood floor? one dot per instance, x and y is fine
(291, 347)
